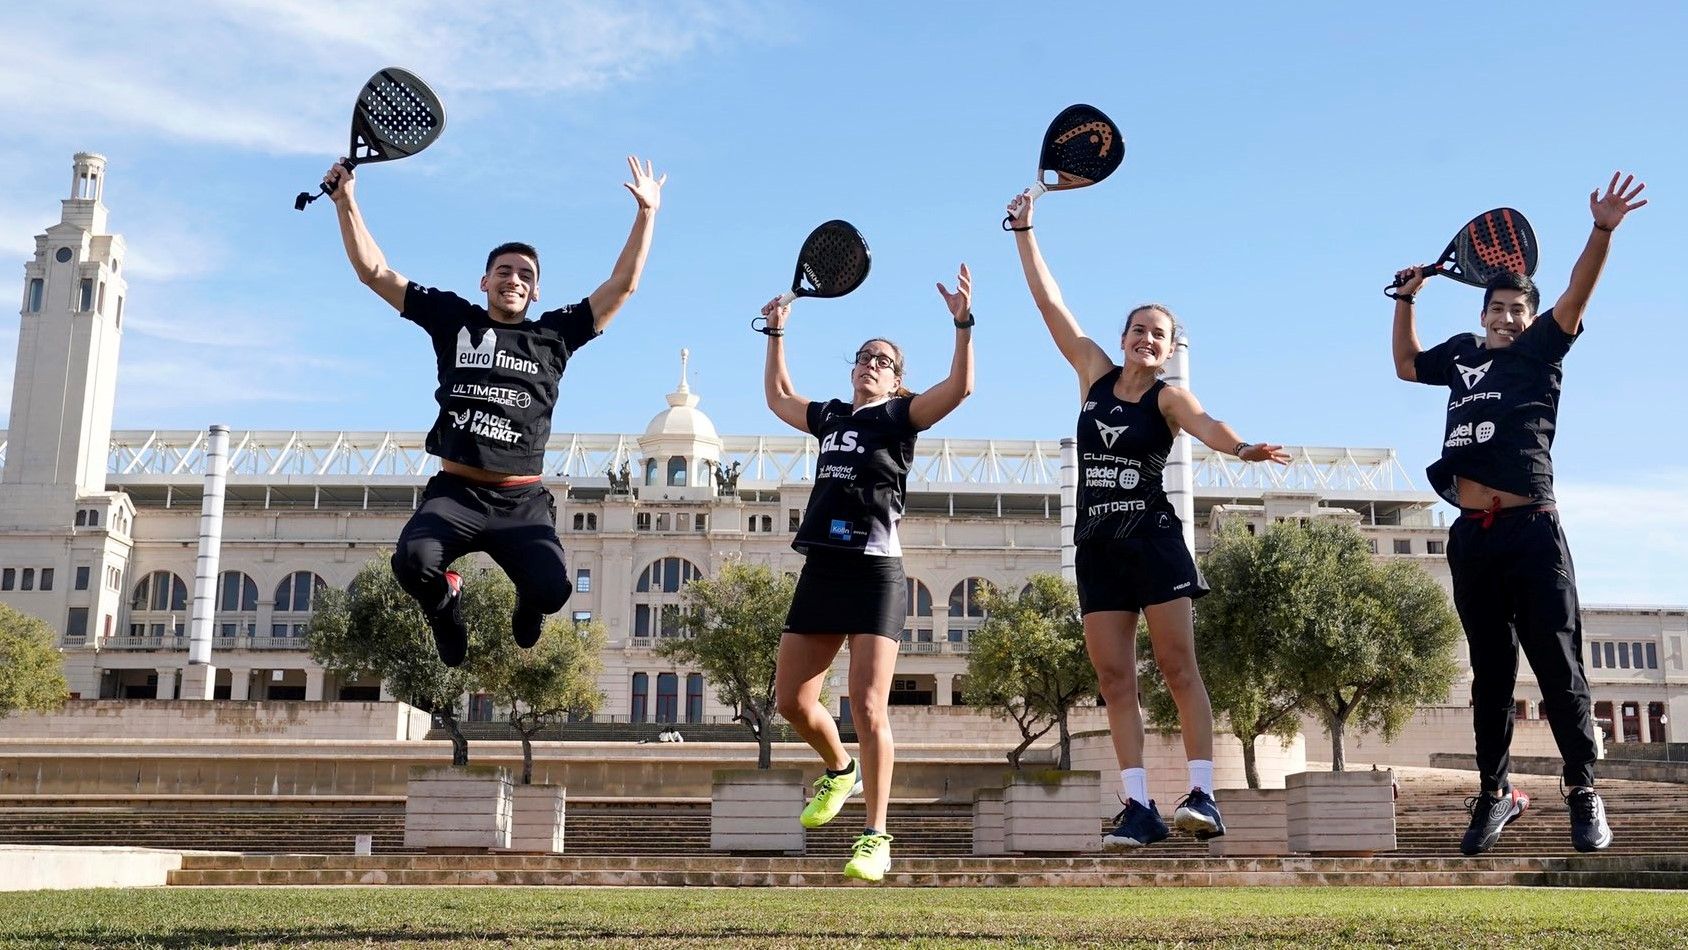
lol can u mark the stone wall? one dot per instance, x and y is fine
(219, 719)
(1432, 730)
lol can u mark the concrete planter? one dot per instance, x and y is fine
(458, 808)
(1256, 823)
(987, 822)
(756, 810)
(1051, 812)
(537, 818)
(1341, 813)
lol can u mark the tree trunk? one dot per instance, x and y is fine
(527, 758)
(1064, 761)
(1251, 771)
(459, 745)
(752, 717)
(1338, 757)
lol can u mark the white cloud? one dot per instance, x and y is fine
(1629, 539)
(278, 76)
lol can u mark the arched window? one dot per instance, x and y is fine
(650, 471)
(160, 590)
(918, 627)
(677, 472)
(965, 614)
(293, 599)
(296, 590)
(657, 599)
(694, 697)
(82, 518)
(93, 517)
(237, 604)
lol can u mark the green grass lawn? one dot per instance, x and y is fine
(441, 918)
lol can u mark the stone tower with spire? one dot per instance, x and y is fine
(66, 539)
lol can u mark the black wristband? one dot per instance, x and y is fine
(1238, 450)
(966, 322)
(1405, 298)
(1597, 227)
(1026, 228)
(764, 328)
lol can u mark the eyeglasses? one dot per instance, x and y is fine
(875, 360)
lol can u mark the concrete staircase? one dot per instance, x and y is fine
(1647, 818)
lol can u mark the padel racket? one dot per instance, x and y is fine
(834, 261)
(1082, 147)
(1490, 244)
(395, 117)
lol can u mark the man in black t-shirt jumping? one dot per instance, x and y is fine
(498, 376)
(1512, 576)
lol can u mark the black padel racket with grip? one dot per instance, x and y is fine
(1082, 147)
(1490, 244)
(396, 116)
(834, 261)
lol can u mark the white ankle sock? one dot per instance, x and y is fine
(1135, 782)
(1201, 774)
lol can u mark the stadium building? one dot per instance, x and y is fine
(100, 529)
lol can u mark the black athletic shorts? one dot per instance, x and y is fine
(1133, 573)
(849, 592)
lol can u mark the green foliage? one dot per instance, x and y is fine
(376, 629)
(1028, 661)
(733, 623)
(539, 686)
(1304, 618)
(31, 669)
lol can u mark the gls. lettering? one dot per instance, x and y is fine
(844, 441)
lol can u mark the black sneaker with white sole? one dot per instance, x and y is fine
(1589, 831)
(1198, 815)
(1136, 826)
(1490, 814)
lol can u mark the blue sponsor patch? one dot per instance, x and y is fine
(841, 530)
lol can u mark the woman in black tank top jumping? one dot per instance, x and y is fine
(852, 587)
(1131, 557)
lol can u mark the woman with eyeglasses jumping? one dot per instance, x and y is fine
(851, 588)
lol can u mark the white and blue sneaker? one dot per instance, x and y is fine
(1135, 827)
(1198, 814)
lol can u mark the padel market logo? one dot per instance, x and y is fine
(1472, 375)
(1110, 434)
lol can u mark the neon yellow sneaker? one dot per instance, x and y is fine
(870, 858)
(830, 794)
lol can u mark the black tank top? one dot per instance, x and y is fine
(1122, 450)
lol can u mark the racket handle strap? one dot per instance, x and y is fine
(786, 298)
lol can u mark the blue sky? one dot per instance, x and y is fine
(1282, 161)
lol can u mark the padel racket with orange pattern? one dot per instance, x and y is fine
(1490, 244)
(395, 117)
(1082, 147)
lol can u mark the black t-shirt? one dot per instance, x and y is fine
(1122, 450)
(498, 381)
(1502, 411)
(861, 477)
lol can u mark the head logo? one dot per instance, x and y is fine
(1472, 375)
(1485, 431)
(468, 354)
(1110, 434)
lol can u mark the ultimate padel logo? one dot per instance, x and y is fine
(1472, 375)
(1110, 434)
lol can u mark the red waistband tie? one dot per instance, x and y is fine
(1489, 515)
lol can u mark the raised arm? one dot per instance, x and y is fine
(1404, 339)
(361, 249)
(1608, 212)
(624, 279)
(1088, 360)
(1181, 408)
(931, 406)
(792, 409)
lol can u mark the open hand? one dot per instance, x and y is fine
(646, 187)
(1618, 201)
